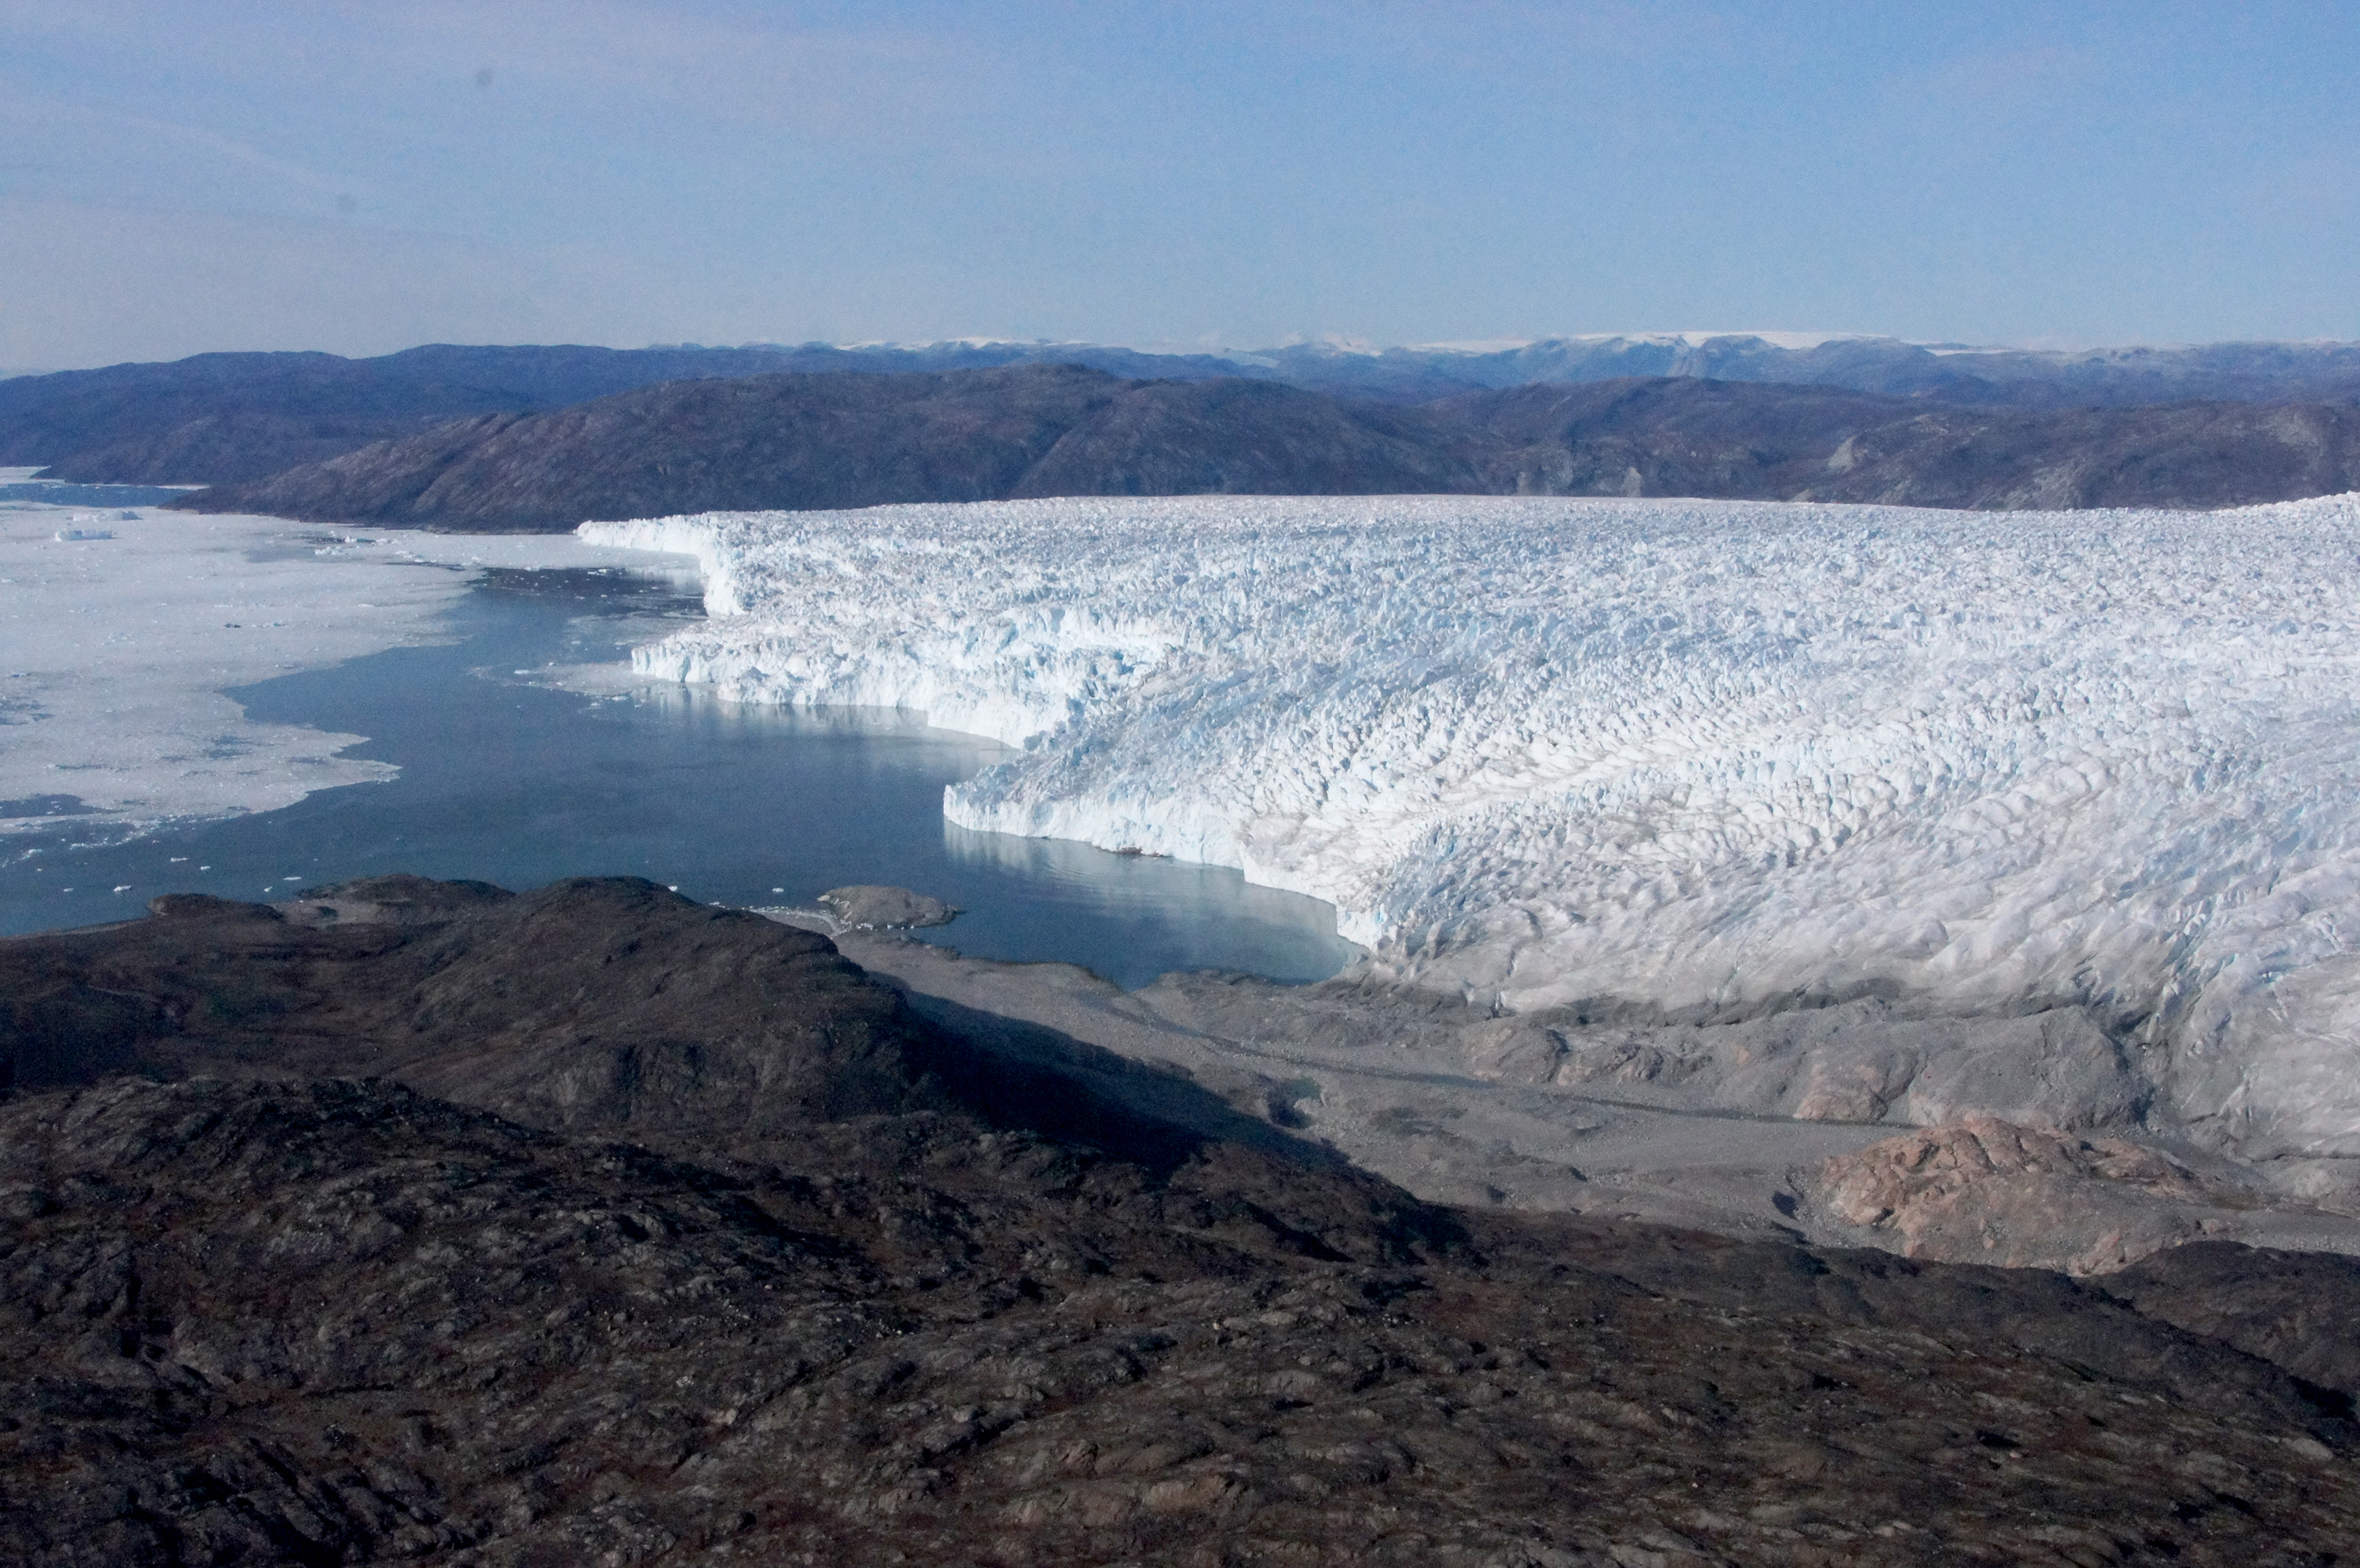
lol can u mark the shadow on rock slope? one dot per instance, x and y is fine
(321, 1242)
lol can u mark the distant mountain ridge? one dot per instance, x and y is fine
(858, 439)
(801, 440)
(1992, 377)
(226, 418)
(232, 418)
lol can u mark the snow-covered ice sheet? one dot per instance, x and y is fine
(113, 653)
(1680, 758)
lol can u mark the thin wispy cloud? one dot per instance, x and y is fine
(82, 120)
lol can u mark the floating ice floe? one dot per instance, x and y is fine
(113, 662)
(1663, 758)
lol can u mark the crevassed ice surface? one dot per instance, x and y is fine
(1692, 757)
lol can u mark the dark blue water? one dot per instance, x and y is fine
(518, 784)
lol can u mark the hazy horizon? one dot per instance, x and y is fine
(1335, 340)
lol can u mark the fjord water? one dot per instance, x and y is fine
(512, 781)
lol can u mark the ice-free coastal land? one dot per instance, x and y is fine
(1651, 761)
(115, 652)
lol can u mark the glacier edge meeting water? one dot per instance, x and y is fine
(1682, 759)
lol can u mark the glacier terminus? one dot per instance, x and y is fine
(1663, 761)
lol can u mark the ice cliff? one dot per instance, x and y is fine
(1666, 758)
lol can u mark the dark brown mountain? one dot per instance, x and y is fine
(218, 418)
(1249, 438)
(1757, 441)
(226, 418)
(855, 440)
(799, 441)
(858, 1290)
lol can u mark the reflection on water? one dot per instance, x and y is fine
(517, 783)
(1132, 882)
(1211, 914)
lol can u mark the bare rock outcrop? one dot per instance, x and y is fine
(872, 907)
(317, 1246)
(1988, 1190)
(340, 1321)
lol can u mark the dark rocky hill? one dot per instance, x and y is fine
(855, 439)
(1737, 440)
(219, 418)
(800, 442)
(227, 417)
(1230, 437)
(857, 1291)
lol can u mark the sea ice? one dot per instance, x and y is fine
(114, 655)
(1660, 758)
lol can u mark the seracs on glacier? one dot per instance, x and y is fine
(1666, 758)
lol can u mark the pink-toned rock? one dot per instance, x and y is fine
(1986, 1191)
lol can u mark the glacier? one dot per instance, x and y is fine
(1672, 760)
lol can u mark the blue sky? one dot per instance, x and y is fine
(360, 178)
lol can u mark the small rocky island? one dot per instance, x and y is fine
(426, 1221)
(870, 906)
